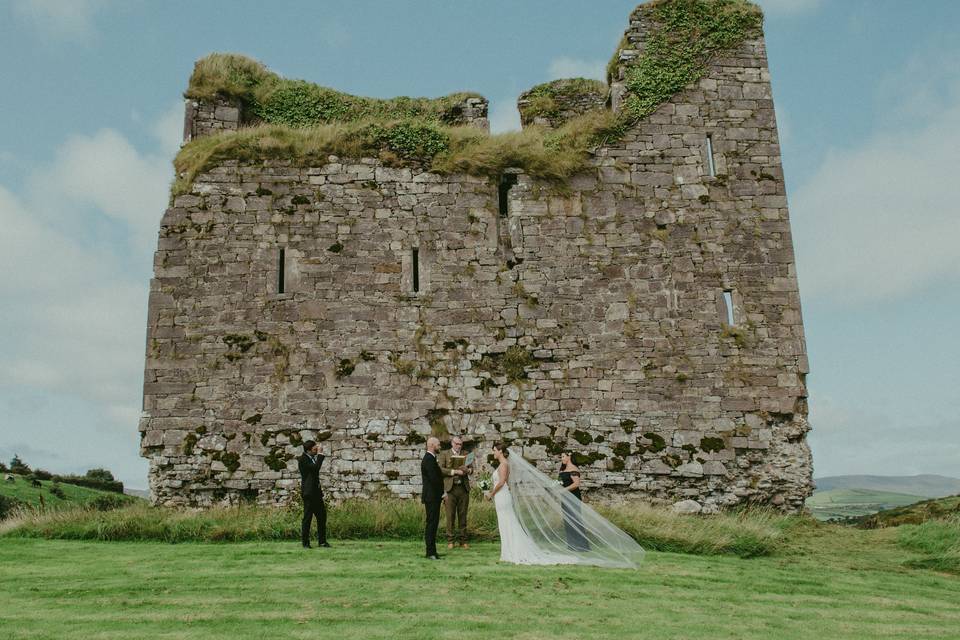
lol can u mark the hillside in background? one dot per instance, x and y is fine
(926, 486)
(852, 503)
(24, 492)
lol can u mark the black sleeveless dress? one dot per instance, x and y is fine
(566, 477)
(572, 523)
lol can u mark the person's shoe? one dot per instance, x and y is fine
(324, 544)
(433, 557)
(464, 545)
(449, 545)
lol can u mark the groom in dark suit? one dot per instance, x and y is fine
(313, 506)
(432, 495)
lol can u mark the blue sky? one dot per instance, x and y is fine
(868, 103)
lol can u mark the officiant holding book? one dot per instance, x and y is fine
(456, 469)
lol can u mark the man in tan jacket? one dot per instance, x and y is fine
(456, 486)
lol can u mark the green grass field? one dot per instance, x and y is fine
(847, 503)
(826, 581)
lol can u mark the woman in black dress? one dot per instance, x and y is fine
(572, 522)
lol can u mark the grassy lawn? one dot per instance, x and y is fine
(829, 582)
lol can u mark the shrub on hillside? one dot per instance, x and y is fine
(91, 483)
(57, 491)
(102, 475)
(4, 468)
(19, 466)
(41, 474)
(108, 502)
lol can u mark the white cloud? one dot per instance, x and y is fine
(168, 129)
(62, 19)
(504, 115)
(788, 6)
(565, 67)
(75, 262)
(106, 172)
(879, 221)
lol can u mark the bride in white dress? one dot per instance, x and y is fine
(535, 516)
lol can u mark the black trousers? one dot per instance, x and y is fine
(433, 521)
(313, 507)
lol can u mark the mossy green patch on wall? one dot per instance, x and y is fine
(686, 36)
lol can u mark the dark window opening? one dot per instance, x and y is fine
(281, 267)
(507, 181)
(728, 306)
(416, 270)
(711, 166)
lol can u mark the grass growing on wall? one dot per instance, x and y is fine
(278, 100)
(304, 123)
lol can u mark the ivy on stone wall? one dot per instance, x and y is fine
(687, 36)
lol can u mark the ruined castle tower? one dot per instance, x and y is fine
(644, 314)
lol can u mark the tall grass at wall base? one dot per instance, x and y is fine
(745, 535)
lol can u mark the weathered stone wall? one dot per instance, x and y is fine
(557, 102)
(591, 318)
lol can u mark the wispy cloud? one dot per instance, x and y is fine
(75, 256)
(565, 67)
(61, 19)
(788, 7)
(878, 221)
(504, 115)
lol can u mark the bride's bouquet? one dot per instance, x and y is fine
(484, 483)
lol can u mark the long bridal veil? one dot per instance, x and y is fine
(558, 523)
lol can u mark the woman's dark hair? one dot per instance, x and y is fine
(502, 448)
(308, 445)
(569, 454)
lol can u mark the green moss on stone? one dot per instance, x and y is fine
(657, 442)
(230, 460)
(712, 445)
(276, 460)
(582, 437)
(345, 367)
(189, 443)
(622, 449)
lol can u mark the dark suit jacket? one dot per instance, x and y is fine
(310, 476)
(432, 479)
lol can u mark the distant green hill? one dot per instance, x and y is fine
(928, 485)
(916, 513)
(851, 503)
(22, 490)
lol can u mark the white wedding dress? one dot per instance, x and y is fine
(540, 522)
(516, 546)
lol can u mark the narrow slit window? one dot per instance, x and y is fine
(728, 306)
(281, 268)
(507, 181)
(415, 262)
(711, 166)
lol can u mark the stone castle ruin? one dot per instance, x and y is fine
(617, 280)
